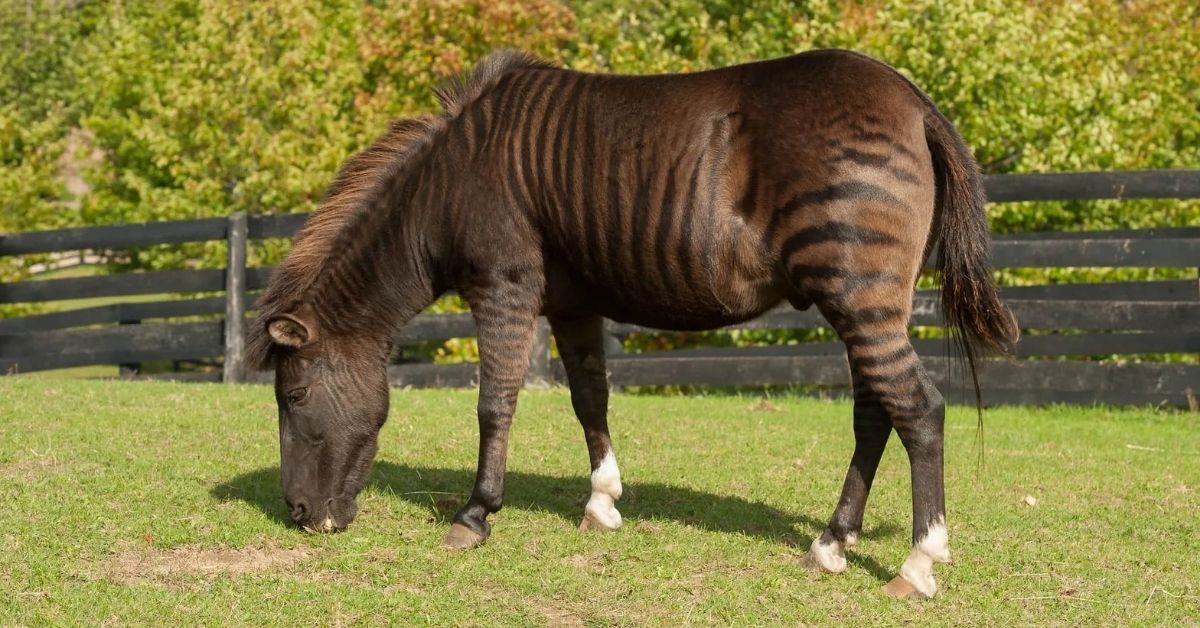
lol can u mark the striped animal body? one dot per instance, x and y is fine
(684, 202)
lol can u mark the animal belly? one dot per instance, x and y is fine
(682, 310)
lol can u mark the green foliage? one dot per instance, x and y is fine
(122, 111)
(202, 109)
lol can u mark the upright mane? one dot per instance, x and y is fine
(361, 180)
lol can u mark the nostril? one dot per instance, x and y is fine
(299, 511)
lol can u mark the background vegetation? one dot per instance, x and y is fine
(133, 110)
(119, 111)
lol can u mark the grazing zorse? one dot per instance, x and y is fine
(680, 201)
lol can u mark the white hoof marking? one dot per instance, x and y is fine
(933, 548)
(606, 490)
(828, 556)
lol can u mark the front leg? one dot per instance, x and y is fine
(506, 320)
(581, 345)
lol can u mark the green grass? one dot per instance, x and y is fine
(151, 503)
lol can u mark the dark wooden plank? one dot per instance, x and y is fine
(992, 398)
(112, 313)
(1030, 346)
(233, 366)
(1110, 234)
(1163, 290)
(1133, 252)
(430, 327)
(663, 370)
(190, 377)
(465, 375)
(1031, 313)
(539, 361)
(1107, 315)
(113, 236)
(1074, 377)
(1085, 314)
(126, 343)
(1080, 186)
(1108, 344)
(275, 225)
(164, 281)
(258, 278)
(1126, 253)
(121, 338)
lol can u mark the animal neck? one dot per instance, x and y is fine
(380, 270)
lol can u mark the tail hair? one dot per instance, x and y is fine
(971, 302)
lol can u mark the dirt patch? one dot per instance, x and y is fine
(765, 405)
(131, 567)
(555, 615)
(30, 468)
(594, 562)
(645, 527)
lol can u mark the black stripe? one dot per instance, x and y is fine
(876, 314)
(892, 144)
(572, 148)
(749, 201)
(613, 229)
(685, 228)
(499, 101)
(844, 321)
(590, 208)
(637, 236)
(881, 162)
(662, 242)
(837, 273)
(834, 231)
(875, 361)
(478, 127)
(532, 115)
(874, 340)
(567, 142)
(907, 374)
(850, 191)
(549, 182)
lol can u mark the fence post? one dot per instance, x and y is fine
(539, 364)
(234, 370)
(129, 369)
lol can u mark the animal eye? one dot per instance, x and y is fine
(297, 395)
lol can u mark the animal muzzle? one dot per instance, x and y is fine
(331, 515)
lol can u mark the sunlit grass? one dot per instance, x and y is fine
(160, 503)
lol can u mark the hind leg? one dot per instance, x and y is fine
(890, 381)
(919, 418)
(581, 345)
(871, 431)
(870, 309)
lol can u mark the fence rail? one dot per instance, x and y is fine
(1060, 321)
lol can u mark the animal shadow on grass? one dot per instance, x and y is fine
(442, 491)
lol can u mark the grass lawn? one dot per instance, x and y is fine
(150, 503)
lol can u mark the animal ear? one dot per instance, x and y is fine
(291, 330)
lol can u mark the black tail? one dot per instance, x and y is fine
(970, 301)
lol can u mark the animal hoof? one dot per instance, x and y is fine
(903, 589)
(824, 558)
(592, 523)
(460, 537)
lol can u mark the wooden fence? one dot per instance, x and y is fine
(1065, 326)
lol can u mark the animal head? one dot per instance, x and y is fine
(332, 395)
